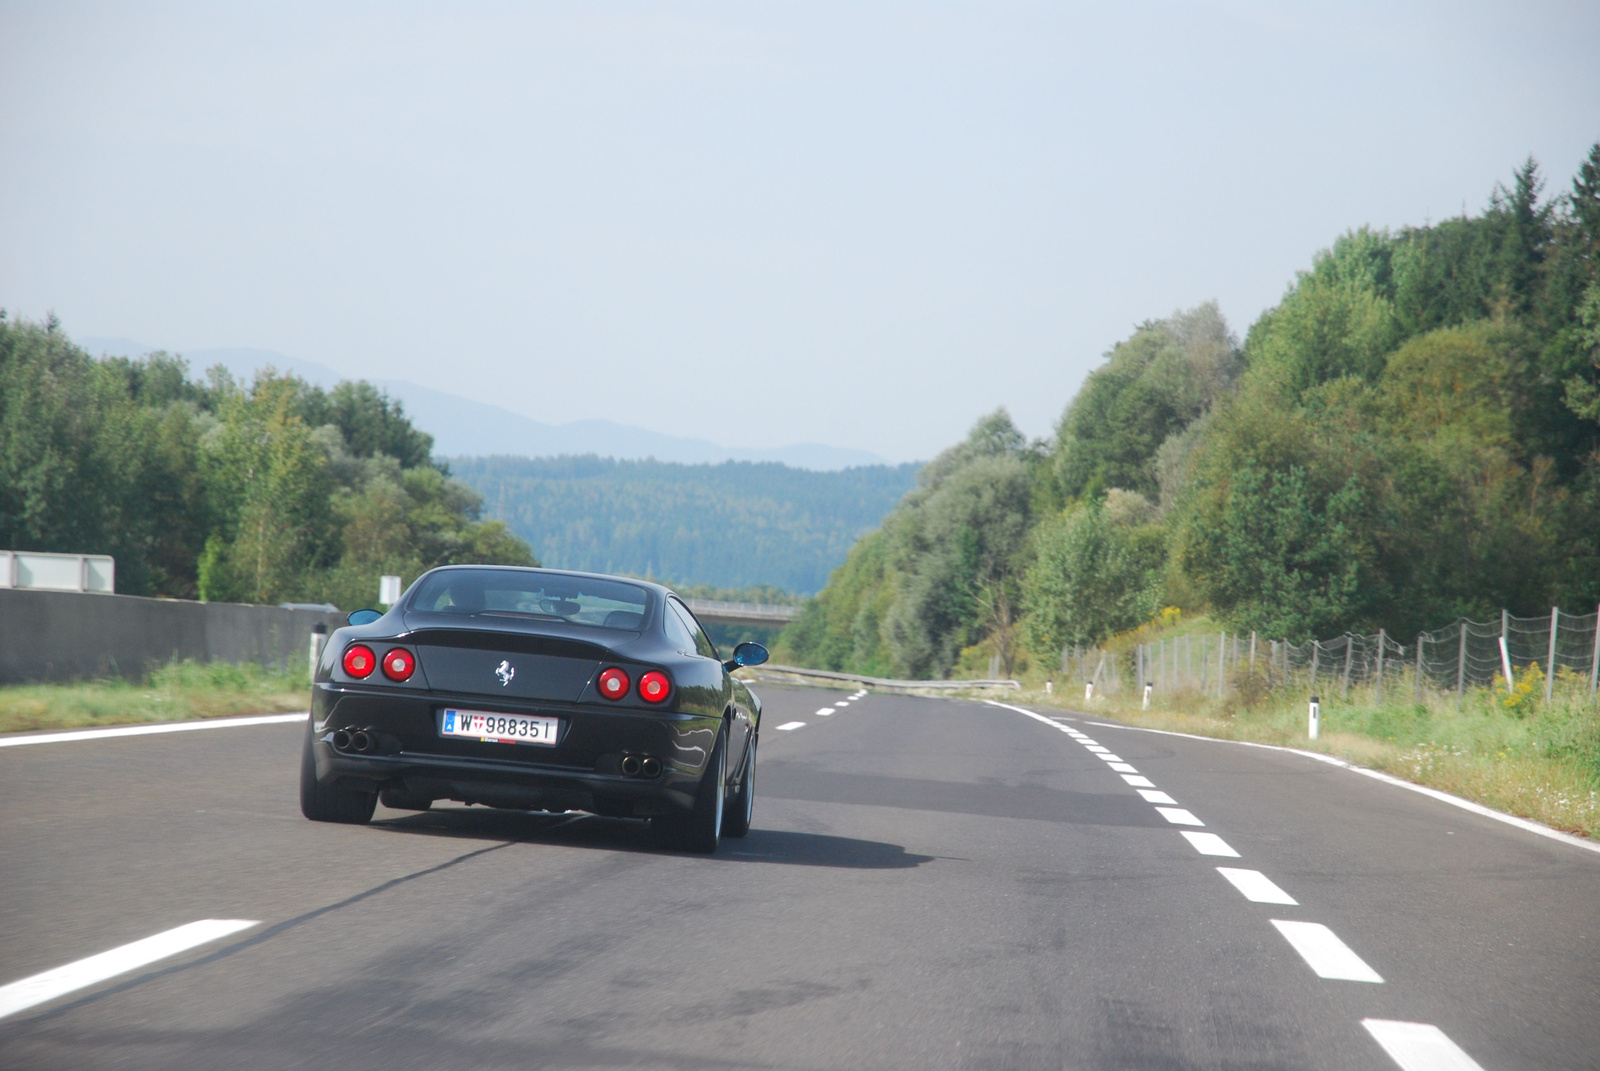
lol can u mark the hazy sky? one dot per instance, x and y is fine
(860, 224)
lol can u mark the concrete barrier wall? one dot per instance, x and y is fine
(60, 636)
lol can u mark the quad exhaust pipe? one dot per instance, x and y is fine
(646, 767)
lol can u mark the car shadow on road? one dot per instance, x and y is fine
(786, 847)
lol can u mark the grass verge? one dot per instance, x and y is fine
(181, 691)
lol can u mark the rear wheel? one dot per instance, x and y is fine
(742, 800)
(701, 829)
(331, 803)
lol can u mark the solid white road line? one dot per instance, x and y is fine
(1209, 844)
(1152, 795)
(1325, 953)
(1256, 886)
(1179, 817)
(147, 730)
(1122, 767)
(1443, 797)
(1419, 1046)
(824, 712)
(789, 726)
(1138, 780)
(24, 994)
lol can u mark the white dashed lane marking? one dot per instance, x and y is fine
(824, 712)
(1138, 780)
(1209, 844)
(1097, 749)
(1324, 953)
(1108, 757)
(1179, 817)
(1154, 795)
(58, 982)
(1256, 886)
(789, 726)
(1419, 1046)
(1123, 767)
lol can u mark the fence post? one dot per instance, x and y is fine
(1378, 692)
(1594, 664)
(1221, 660)
(1349, 652)
(1204, 658)
(1422, 637)
(1461, 665)
(1252, 652)
(1550, 671)
(1316, 656)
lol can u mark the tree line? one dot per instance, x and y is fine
(1411, 435)
(730, 525)
(267, 492)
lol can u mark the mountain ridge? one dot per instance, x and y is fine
(462, 427)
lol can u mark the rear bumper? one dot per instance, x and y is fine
(582, 771)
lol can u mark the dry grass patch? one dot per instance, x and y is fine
(182, 691)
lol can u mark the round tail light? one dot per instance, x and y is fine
(613, 683)
(359, 661)
(654, 687)
(399, 664)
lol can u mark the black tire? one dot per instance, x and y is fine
(701, 829)
(397, 800)
(331, 803)
(741, 804)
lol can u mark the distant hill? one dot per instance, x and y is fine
(462, 427)
(729, 525)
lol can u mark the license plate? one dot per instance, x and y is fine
(491, 728)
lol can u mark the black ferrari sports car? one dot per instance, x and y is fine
(534, 689)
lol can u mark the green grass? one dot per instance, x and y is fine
(181, 691)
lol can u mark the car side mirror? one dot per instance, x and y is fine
(363, 617)
(746, 654)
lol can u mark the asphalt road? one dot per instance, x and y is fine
(930, 884)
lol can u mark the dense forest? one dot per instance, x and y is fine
(1410, 435)
(268, 492)
(731, 525)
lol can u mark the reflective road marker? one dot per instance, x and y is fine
(24, 994)
(1325, 953)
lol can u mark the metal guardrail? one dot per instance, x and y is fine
(741, 613)
(774, 672)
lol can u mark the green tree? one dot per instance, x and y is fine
(1091, 578)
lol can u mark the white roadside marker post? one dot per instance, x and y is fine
(1088, 692)
(1049, 687)
(319, 636)
(1148, 687)
(1505, 664)
(1315, 717)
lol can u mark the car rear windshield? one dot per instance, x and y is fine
(532, 594)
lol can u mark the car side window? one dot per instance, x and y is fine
(678, 631)
(702, 643)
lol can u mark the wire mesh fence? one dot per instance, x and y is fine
(1539, 655)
